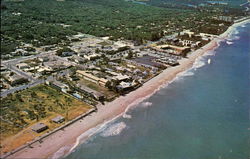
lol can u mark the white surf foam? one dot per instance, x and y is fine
(236, 38)
(187, 73)
(243, 26)
(126, 116)
(86, 135)
(146, 104)
(114, 129)
(61, 152)
(210, 53)
(198, 63)
(235, 32)
(229, 42)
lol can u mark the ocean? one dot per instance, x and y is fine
(202, 114)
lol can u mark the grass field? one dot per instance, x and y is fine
(38, 104)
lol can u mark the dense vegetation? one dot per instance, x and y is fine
(49, 22)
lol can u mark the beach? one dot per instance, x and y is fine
(64, 141)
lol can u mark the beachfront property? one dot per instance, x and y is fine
(89, 76)
(90, 92)
(126, 86)
(99, 68)
(177, 50)
(225, 18)
(120, 77)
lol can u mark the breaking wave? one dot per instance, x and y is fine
(146, 104)
(236, 38)
(88, 134)
(235, 32)
(229, 42)
(61, 152)
(114, 129)
(126, 116)
(198, 63)
(108, 128)
(243, 26)
(186, 73)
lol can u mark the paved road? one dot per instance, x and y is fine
(20, 72)
(15, 61)
(22, 87)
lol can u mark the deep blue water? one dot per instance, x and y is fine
(204, 114)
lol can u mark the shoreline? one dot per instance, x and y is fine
(63, 142)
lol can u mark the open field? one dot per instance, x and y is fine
(38, 104)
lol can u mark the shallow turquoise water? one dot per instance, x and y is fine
(204, 114)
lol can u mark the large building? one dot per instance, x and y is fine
(88, 76)
(90, 92)
(180, 51)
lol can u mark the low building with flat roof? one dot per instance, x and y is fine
(88, 76)
(90, 92)
(58, 119)
(39, 127)
(121, 77)
(22, 65)
(181, 51)
(60, 86)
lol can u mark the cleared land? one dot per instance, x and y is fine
(38, 104)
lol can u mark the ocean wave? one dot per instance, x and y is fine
(236, 38)
(210, 53)
(229, 42)
(126, 116)
(243, 26)
(198, 63)
(61, 152)
(117, 128)
(114, 129)
(186, 73)
(89, 133)
(146, 104)
(235, 32)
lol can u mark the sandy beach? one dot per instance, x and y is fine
(64, 141)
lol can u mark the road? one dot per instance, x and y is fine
(11, 65)
(22, 87)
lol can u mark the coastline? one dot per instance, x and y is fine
(65, 140)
